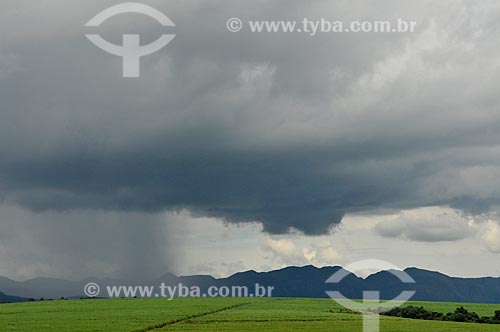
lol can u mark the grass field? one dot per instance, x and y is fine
(214, 314)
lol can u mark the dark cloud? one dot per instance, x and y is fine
(83, 243)
(286, 129)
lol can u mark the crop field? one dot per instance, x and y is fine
(215, 314)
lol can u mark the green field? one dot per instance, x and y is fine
(215, 314)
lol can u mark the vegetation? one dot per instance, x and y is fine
(459, 315)
(215, 314)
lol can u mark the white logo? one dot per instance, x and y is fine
(91, 289)
(371, 299)
(131, 50)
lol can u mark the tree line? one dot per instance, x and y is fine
(459, 315)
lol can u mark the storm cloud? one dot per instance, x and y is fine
(82, 243)
(289, 130)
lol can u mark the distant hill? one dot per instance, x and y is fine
(306, 281)
(11, 299)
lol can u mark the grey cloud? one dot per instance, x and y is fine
(83, 243)
(286, 129)
(447, 226)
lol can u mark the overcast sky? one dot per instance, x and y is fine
(310, 149)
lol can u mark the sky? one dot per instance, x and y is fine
(246, 150)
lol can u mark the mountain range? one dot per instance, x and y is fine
(306, 281)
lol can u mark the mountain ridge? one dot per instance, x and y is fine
(291, 281)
